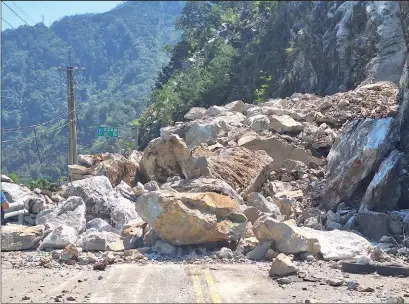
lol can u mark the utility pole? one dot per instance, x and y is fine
(72, 126)
(72, 114)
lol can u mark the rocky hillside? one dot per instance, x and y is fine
(255, 51)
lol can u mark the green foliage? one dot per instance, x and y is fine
(261, 93)
(122, 50)
(14, 178)
(43, 184)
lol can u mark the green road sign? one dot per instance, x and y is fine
(107, 132)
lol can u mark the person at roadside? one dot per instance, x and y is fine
(4, 206)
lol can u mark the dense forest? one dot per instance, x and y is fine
(122, 52)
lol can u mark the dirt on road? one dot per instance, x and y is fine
(169, 282)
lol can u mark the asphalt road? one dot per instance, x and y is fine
(176, 283)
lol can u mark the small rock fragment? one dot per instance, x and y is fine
(282, 266)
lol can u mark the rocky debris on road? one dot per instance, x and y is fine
(102, 200)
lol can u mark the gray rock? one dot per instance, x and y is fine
(164, 248)
(351, 223)
(258, 201)
(384, 191)
(102, 201)
(60, 237)
(19, 237)
(152, 186)
(150, 237)
(260, 251)
(258, 123)
(195, 113)
(99, 225)
(373, 225)
(70, 213)
(363, 144)
(252, 213)
(98, 241)
(126, 191)
(225, 253)
(352, 285)
(285, 124)
(313, 222)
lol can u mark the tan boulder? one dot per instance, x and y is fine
(117, 168)
(282, 266)
(165, 157)
(192, 218)
(243, 169)
(278, 149)
(285, 124)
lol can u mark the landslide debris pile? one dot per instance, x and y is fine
(304, 177)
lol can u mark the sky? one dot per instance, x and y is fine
(52, 10)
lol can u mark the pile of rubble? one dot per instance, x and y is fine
(302, 178)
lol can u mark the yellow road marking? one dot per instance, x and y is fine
(196, 285)
(213, 290)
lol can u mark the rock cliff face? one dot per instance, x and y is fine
(337, 45)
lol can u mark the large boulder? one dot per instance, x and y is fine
(279, 150)
(19, 237)
(17, 194)
(332, 245)
(204, 184)
(373, 225)
(102, 200)
(164, 157)
(60, 237)
(384, 191)
(70, 213)
(357, 153)
(244, 170)
(192, 218)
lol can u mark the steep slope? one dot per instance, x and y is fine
(122, 51)
(258, 50)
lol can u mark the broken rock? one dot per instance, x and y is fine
(60, 237)
(192, 218)
(258, 201)
(70, 213)
(195, 113)
(356, 153)
(205, 184)
(384, 191)
(285, 124)
(282, 266)
(244, 170)
(164, 157)
(19, 237)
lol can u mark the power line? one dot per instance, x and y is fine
(34, 126)
(23, 12)
(28, 138)
(8, 23)
(15, 13)
(38, 153)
